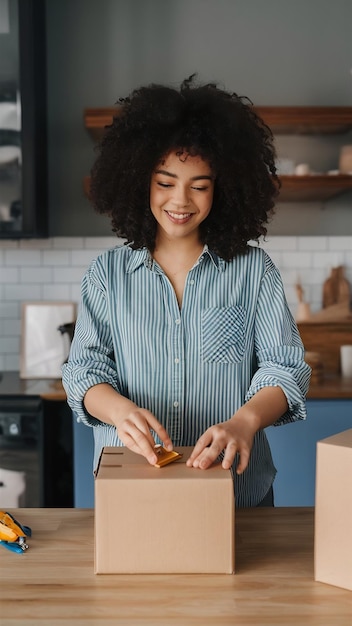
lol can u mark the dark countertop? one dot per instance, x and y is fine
(12, 385)
(330, 387)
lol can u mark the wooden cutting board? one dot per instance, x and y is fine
(336, 288)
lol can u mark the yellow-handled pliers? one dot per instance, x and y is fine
(13, 535)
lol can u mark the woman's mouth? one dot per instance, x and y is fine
(180, 218)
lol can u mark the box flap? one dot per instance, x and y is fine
(112, 455)
(122, 463)
(343, 439)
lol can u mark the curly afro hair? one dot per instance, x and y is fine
(220, 127)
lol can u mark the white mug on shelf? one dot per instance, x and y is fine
(302, 169)
(346, 361)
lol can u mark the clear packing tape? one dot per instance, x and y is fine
(13, 535)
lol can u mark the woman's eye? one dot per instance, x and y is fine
(165, 185)
(200, 188)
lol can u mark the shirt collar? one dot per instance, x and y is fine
(143, 256)
(217, 261)
(137, 258)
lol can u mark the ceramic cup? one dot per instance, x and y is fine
(346, 361)
(302, 169)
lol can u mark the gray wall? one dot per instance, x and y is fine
(277, 52)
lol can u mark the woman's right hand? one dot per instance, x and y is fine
(133, 423)
(134, 428)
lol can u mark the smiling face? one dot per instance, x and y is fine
(181, 195)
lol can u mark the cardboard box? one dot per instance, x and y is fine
(333, 511)
(172, 519)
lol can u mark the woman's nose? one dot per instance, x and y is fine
(181, 197)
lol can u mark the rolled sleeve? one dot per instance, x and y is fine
(91, 361)
(284, 367)
(279, 349)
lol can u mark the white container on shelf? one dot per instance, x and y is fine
(345, 162)
(346, 361)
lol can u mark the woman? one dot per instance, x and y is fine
(184, 335)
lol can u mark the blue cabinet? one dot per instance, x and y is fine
(83, 442)
(293, 448)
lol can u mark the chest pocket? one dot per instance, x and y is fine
(223, 334)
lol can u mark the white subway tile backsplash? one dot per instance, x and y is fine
(21, 257)
(315, 276)
(324, 261)
(36, 274)
(84, 257)
(56, 292)
(35, 244)
(9, 275)
(283, 244)
(10, 345)
(348, 261)
(9, 309)
(312, 243)
(102, 243)
(10, 327)
(11, 362)
(276, 256)
(297, 260)
(52, 270)
(75, 292)
(23, 292)
(68, 275)
(316, 293)
(57, 257)
(340, 243)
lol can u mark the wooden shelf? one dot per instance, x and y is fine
(313, 188)
(307, 120)
(282, 120)
(95, 120)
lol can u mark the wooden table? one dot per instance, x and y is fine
(53, 582)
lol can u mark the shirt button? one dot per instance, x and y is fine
(191, 282)
(177, 360)
(176, 404)
(178, 321)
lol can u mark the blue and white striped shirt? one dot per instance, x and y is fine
(193, 367)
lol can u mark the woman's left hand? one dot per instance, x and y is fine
(234, 436)
(237, 434)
